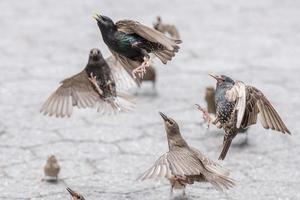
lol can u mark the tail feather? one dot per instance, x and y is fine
(121, 103)
(226, 145)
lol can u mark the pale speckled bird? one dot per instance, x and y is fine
(183, 164)
(238, 106)
(131, 43)
(97, 85)
(75, 195)
(52, 168)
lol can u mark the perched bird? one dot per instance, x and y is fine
(131, 42)
(97, 85)
(51, 169)
(166, 28)
(237, 106)
(75, 195)
(183, 164)
(211, 108)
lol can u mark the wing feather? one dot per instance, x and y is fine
(74, 91)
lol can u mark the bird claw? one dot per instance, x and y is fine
(141, 70)
(206, 115)
(93, 80)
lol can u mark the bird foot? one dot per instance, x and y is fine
(206, 115)
(141, 70)
(93, 80)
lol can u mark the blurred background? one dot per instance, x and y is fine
(43, 42)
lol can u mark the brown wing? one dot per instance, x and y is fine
(128, 64)
(184, 164)
(269, 117)
(129, 26)
(74, 91)
(122, 77)
(210, 164)
(168, 46)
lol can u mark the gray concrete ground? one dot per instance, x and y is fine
(43, 42)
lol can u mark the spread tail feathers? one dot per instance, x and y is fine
(121, 103)
(225, 149)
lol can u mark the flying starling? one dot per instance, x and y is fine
(51, 169)
(211, 108)
(131, 43)
(94, 86)
(183, 164)
(237, 106)
(75, 195)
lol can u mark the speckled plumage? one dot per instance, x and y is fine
(237, 107)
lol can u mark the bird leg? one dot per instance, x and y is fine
(93, 80)
(141, 70)
(207, 118)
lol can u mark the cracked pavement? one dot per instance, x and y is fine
(44, 42)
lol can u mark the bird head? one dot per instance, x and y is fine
(52, 159)
(222, 79)
(170, 124)
(74, 195)
(95, 54)
(104, 23)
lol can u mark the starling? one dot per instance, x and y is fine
(166, 28)
(51, 169)
(237, 106)
(95, 85)
(75, 195)
(211, 108)
(183, 164)
(131, 43)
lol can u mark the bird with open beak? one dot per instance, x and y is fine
(96, 85)
(237, 106)
(131, 43)
(183, 164)
(75, 195)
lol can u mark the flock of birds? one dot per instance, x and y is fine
(232, 106)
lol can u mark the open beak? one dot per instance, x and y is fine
(217, 77)
(72, 193)
(97, 17)
(163, 116)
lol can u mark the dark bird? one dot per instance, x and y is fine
(183, 164)
(75, 195)
(96, 85)
(238, 106)
(131, 43)
(211, 109)
(51, 169)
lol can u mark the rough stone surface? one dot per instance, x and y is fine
(43, 42)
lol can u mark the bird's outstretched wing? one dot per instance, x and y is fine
(122, 77)
(186, 165)
(238, 94)
(269, 117)
(128, 64)
(168, 46)
(210, 164)
(74, 91)
(251, 102)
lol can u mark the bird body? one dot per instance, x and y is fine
(237, 107)
(96, 85)
(183, 164)
(131, 42)
(52, 168)
(166, 28)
